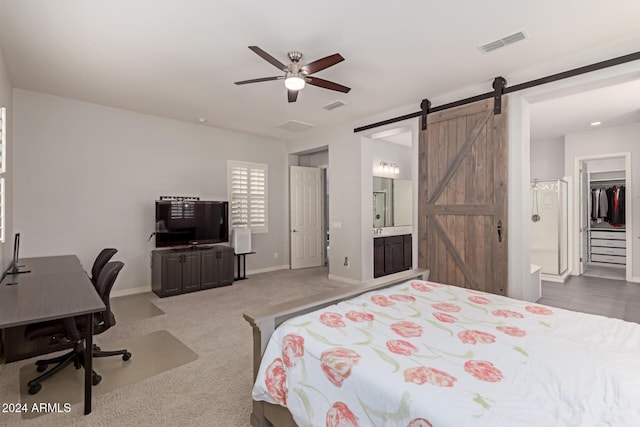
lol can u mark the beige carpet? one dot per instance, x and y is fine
(213, 390)
(152, 354)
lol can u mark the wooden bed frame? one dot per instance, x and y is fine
(264, 321)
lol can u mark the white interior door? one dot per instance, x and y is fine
(585, 199)
(305, 198)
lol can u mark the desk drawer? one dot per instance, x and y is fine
(609, 243)
(609, 251)
(612, 259)
(602, 234)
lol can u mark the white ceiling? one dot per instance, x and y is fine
(614, 105)
(179, 58)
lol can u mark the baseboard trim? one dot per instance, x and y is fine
(554, 278)
(268, 269)
(130, 291)
(343, 279)
(635, 279)
(142, 289)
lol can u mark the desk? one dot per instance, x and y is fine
(244, 265)
(57, 287)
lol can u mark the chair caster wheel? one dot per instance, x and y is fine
(41, 368)
(96, 348)
(35, 388)
(95, 379)
(126, 356)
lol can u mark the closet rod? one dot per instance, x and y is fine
(506, 90)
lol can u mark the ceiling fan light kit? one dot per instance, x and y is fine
(296, 76)
(294, 82)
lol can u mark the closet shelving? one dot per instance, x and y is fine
(607, 244)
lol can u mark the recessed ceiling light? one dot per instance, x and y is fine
(596, 123)
(202, 120)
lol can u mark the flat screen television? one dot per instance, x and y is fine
(189, 222)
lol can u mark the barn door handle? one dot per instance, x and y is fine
(499, 230)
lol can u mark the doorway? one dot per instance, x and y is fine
(587, 134)
(605, 217)
(309, 209)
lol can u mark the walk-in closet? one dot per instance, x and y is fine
(604, 214)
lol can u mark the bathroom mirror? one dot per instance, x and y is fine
(392, 205)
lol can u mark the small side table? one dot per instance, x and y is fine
(244, 265)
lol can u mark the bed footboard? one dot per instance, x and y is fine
(265, 321)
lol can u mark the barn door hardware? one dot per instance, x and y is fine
(499, 84)
(425, 106)
(635, 56)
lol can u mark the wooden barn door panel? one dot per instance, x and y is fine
(463, 197)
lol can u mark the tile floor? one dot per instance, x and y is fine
(595, 295)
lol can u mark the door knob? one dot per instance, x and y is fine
(295, 231)
(499, 230)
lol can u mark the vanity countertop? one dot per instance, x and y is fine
(393, 231)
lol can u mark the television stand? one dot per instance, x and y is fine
(180, 270)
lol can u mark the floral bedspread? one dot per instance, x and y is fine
(424, 354)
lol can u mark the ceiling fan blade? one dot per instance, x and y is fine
(327, 84)
(270, 59)
(321, 64)
(262, 79)
(292, 95)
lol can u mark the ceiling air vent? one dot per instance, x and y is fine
(333, 105)
(295, 126)
(497, 44)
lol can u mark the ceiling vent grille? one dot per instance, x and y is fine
(334, 105)
(295, 126)
(497, 44)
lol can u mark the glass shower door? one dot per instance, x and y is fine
(549, 226)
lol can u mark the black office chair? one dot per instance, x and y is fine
(101, 260)
(72, 329)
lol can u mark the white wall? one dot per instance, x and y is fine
(86, 177)
(320, 158)
(345, 221)
(606, 165)
(389, 152)
(547, 158)
(6, 101)
(606, 141)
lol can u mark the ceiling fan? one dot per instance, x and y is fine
(296, 75)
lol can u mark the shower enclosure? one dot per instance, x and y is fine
(549, 226)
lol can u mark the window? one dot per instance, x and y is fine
(248, 195)
(3, 169)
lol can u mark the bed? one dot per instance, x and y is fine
(412, 353)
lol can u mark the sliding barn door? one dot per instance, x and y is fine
(462, 221)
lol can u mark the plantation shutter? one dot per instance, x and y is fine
(248, 195)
